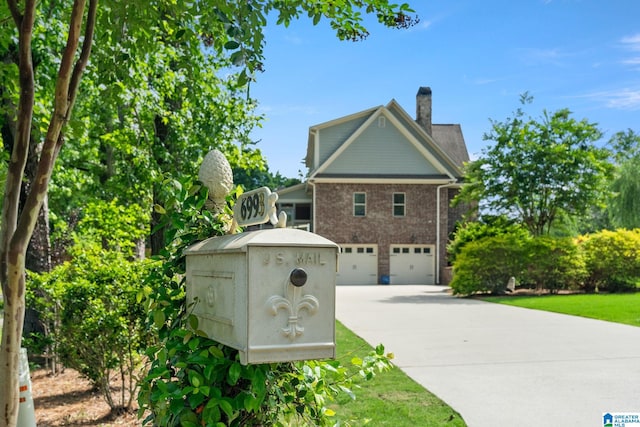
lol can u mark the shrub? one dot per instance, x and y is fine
(94, 322)
(195, 381)
(487, 264)
(612, 260)
(488, 227)
(553, 263)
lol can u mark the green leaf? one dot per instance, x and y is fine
(195, 379)
(159, 209)
(231, 45)
(234, 373)
(189, 419)
(216, 352)
(159, 318)
(193, 343)
(226, 407)
(193, 322)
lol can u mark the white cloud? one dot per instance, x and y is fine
(480, 81)
(534, 56)
(425, 24)
(619, 99)
(293, 39)
(632, 42)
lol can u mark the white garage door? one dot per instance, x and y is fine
(357, 265)
(412, 265)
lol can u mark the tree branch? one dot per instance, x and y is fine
(15, 12)
(53, 139)
(20, 149)
(81, 64)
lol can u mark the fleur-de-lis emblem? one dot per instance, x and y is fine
(293, 302)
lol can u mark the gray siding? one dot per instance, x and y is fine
(419, 136)
(297, 194)
(381, 150)
(332, 137)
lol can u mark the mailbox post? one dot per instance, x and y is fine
(269, 293)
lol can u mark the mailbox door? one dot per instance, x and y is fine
(291, 303)
(218, 283)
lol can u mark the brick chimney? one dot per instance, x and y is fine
(423, 108)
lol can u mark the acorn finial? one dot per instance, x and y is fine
(215, 173)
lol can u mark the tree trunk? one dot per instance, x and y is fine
(13, 321)
(38, 257)
(16, 229)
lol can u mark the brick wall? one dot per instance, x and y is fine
(334, 216)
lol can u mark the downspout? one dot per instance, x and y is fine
(310, 181)
(448, 185)
(313, 204)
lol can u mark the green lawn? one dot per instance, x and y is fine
(391, 398)
(619, 308)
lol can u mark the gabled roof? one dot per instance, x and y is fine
(450, 139)
(362, 115)
(444, 152)
(295, 193)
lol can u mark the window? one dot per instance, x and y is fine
(359, 204)
(303, 212)
(398, 204)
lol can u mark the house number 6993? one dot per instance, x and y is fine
(252, 207)
(255, 207)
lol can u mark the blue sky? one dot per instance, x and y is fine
(477, 56)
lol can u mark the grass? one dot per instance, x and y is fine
(619, 308)
(391, 398)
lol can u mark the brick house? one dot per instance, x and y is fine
(380, 185)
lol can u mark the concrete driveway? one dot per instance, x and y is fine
(499, 365)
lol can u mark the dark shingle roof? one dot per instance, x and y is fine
(450, 140)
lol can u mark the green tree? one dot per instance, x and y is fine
(537, 170)
(624, 206)
(231, 29)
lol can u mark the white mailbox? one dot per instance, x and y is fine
(268, 293)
